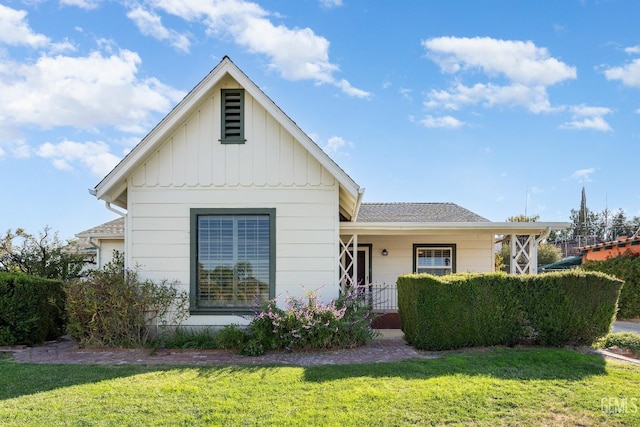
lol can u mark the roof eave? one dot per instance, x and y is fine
(102, 236)
(494, 227)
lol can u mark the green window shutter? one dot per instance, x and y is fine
(232, 123)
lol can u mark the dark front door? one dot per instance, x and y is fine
(362, 268)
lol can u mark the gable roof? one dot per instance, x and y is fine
(434, 218)
(112, 229)
(113, 188)
(416, 212)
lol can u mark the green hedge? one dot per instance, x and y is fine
(466, 310)
(625, 267)
(31, 309)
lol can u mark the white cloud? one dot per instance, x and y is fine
(21, 150)
(14, 29)
(520, 62)
(534, 98)
(629, 74)
(588, 117)
(527, 71)
(330, 3)
(583, 175)
(150, 24)
(633, 49)
(406, 93)
(446, 122)
(83, 92)
(95, 156)
(82, 4)
(295, 53)
(336, 144)
(62, 47)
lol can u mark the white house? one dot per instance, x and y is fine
(229, 197)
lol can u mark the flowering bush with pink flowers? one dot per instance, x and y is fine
(308, 324)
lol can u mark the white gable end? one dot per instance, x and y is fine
(192, 155)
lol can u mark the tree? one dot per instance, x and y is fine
(620, 226)
(548, 254)
(42, 256)
(523, 218)
(584, 222)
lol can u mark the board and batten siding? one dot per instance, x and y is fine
(192, 169)
(474, 253)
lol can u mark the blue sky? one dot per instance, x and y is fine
(502, 107)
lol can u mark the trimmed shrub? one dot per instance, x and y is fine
(31, 309)
(460, 310)
(114, 308)
(627, 268)
(568, 308)
(464, 310)
(625, 340)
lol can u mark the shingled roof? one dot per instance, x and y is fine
(416, 213)
(113, 228)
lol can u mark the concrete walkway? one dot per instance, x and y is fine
(625, 326)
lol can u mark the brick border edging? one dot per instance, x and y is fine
(617, 356)
(12, 348)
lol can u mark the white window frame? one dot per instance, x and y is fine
(436, 268)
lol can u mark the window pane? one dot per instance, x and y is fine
(437, 261)
(233, 260)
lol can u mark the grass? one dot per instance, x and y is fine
(501, 386)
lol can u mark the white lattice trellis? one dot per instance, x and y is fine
(524, 254)
(348, 260)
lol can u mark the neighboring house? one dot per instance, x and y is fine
(606, 250)
(229, 197)
(102, 240)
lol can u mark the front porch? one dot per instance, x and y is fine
(373, 261)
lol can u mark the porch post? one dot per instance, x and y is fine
(354, 255)
(512, 254)
(533, 259)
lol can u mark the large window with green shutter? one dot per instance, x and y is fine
(232, 121)
(233, 260)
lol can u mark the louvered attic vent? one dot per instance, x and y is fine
(232, 116)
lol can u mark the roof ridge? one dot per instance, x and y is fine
(408, 203)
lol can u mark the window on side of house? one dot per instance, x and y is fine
(232, 259)
(434, 259)
(232, 120)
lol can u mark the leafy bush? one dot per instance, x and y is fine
(627, 268)
(114, 308)
(464, 310)
(308, 324)
(628, 340)
(230, 337)
(31, 309)
(192, 338)
(198, 338)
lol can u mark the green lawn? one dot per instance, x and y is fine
(493, 387)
